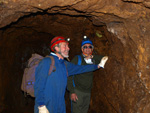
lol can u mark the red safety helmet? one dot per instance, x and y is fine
(57, 40)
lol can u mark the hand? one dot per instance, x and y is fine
(74, 97)
(103, 61)
(43, 109)
(89, 57)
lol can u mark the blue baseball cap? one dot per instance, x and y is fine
(86, 40)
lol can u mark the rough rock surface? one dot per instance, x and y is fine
(26, 26)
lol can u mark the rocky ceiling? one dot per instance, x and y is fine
(118, 28)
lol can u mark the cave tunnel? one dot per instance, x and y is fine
(119, 30)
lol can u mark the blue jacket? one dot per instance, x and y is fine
(50, 89)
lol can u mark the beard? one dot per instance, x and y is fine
(65, 54)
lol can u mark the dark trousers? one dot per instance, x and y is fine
(83, 102)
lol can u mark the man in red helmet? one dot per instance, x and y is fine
(49, 90)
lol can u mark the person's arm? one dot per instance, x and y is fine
(78, 69)
(70, 86)
(41, 75)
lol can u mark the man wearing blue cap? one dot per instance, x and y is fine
(80, 85)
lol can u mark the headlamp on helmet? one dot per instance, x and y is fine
(86, 40)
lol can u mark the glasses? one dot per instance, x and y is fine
(85, 47)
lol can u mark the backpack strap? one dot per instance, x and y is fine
(79, 60)
(52, 64)
(79, 63)
(73, 81)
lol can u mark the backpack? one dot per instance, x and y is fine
(28, 79)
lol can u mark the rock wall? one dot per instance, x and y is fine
(28, 26)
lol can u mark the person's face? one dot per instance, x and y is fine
(87, 49)
(64, 49)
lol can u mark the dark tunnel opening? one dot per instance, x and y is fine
(32, 34)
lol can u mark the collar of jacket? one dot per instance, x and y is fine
(53, 54)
